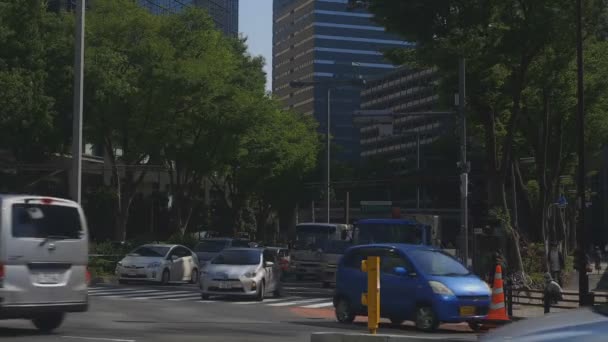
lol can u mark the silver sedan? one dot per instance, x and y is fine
(242, 272)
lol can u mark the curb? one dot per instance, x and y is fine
(353, 337)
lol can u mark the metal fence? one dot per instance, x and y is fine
(534, 297)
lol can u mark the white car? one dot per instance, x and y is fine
(159, 263)
(241, 272)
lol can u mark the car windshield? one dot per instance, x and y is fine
(212, 246)
(45, 221)
(437, 263)
(368, 233)
(150, 251)
(238, 257)
(313, 236)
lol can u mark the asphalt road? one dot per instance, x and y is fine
(176, 313)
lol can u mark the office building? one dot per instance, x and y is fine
(326, 41)
(225, 13)
(392, 122)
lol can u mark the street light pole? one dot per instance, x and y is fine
(464, 175)
(76, 174)
(583, 280)
(328, 184)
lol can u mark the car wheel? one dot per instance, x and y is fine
(205, 297)
(194, 276)
(48, 322)
(261, 292)
(344, 313)
(166, 276)
(396, 321)
(426, 320)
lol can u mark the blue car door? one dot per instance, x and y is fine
(397, 288)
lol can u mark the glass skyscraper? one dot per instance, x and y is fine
(225, 13)
(324, 41)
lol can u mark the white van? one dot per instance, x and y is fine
(43, 259)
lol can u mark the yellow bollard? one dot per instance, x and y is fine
(371, 299)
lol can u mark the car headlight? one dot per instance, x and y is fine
(250, 274)
(155, 264)
(440, 288)
(119, 264)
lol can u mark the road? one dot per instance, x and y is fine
(130, 313)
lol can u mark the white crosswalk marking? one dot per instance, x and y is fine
(271, 300)
(192, 295)
(122, 292)
(298, 302)
(318, 306)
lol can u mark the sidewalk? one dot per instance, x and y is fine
(527, 311)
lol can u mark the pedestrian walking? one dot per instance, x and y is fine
(597, 256)
(556, 263)
(552, 292)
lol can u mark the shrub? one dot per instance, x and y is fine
(183, 239)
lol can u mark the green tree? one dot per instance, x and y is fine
(504, 43)
(124, 105)
(31, 39)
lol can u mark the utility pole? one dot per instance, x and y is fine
(418, 169)
(328, 184)
(581, 235)
(76, 174)
(464, 168)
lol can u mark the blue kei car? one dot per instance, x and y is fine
(417, 283)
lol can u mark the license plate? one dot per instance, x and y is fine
(225, 285)
(467, 311)
(48, 278)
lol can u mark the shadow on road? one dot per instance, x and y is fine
(19, 332)
(386, 328)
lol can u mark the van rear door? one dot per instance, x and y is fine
(45, 246)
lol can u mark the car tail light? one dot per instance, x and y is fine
(88, 276)
(46, 200)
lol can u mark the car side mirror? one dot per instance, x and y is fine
(268, 264)
(401, 271)
(174, 257)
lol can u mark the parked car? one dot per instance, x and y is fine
(43, 259)
(333, 252)
(589, 325)
(419, 283)
(282, 257)
(207, 249)
(159, 263)
(243, 272)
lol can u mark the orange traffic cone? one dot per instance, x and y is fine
(498, 311)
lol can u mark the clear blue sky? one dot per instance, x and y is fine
(255, 22)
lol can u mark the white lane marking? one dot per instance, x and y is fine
(316, 306)
(298, 302)
(170, 295)
(98, 339)
(122, 292)
(184, 298)
(271, 300)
